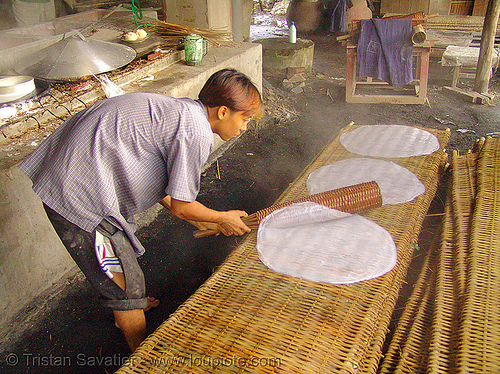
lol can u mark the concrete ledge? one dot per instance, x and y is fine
(31, 255)
(280, 54)
(33, 261)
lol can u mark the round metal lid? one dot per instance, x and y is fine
(75, 57)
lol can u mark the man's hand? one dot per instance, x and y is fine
(229, 222)
(232, 224)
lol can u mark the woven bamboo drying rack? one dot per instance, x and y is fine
(462, 272)
(247, 318)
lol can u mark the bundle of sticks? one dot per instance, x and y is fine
(351, 199)
(175, 33)
(417, 18)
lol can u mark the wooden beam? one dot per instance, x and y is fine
(480, 8)
(483, 72)
(470, 96)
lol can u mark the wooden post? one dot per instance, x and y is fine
(483, 72)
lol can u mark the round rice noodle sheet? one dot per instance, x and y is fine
(319, 244)
(397, 184)
(389, 141)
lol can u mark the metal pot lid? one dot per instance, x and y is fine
(75, 57)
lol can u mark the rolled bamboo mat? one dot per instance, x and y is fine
(350, 199)
(479, 333)
(451, 271)
(247, 318)
(464, 196)
(464, 278)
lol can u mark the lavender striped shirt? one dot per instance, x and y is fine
(119, 157)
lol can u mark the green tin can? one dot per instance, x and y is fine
(195, 47)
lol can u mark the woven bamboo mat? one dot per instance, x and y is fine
(409, 349)
(463, 334)
(247, 318)
(426, 335)
(479, 350)
(450, 287)
(410, 342)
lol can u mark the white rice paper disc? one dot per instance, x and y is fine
(397, 184)
(319, 244)
(389, 141)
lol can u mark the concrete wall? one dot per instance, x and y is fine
(200, 13)
(31, 254)
(241, 13)
(32, 258)
(232, 15)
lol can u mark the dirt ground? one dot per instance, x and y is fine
(76, 335)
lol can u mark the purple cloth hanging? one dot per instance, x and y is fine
(385, 50)
(337, 11)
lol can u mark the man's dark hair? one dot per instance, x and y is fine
(229, 87)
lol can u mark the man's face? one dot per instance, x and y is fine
(232, 124)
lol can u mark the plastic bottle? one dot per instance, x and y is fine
(292, 33)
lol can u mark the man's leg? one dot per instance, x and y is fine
(132, 322)
(128, 303)
(119, 279)
(133, 325)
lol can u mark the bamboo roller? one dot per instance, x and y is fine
(351, 199)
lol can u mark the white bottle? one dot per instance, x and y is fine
(292, 33)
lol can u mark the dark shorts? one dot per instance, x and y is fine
(80, 245)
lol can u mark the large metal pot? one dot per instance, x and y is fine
(75, 57)
(307, 14)
(15, 87)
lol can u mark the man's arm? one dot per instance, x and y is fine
(229, 222)
(167, 203)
